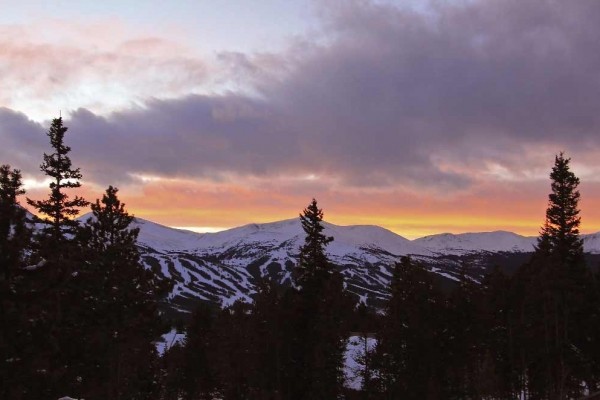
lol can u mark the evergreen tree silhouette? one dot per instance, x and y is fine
(199, 375)
(560, 233)
(554, 291)
(410, 353)
(53, 310)
(313, 262)
(14, 233)
(470, 367)
(15, 236)
(121, 319)
(499, 338)
(58, 208)
(323, 310)
(269, 339)
(235, 352)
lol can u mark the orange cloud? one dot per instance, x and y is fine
(516, 207)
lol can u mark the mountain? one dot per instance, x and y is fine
(465, 243)
(225, 266)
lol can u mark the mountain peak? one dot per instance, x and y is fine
(225, 266)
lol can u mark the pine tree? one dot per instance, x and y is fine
(109, 229)
(499, 341)
(313, 260)
(120, 296)
(173, 373)
(469, 366)
(410, 353)
(54, 306)
(268, 328)
(365, 322)
(199, 380)
(235, 352)
(14, 233)
(323, 311)
(553, 311)
(58, 208)
(592, 332)
(14, 241)
(560, 234)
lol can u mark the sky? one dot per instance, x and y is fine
(419, 116)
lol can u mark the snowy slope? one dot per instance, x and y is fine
(591, 243)
(225, 266)
(498, 241)
(163, 238)
(347, 238)
(494, 242)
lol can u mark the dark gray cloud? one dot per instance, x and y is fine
(22, 141)
(389, 97)
(473, 81)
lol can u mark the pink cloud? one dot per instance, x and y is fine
(100, 65)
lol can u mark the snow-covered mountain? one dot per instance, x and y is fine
(464, 243)
(225, 266)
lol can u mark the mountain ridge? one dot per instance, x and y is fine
(435, 242)
(222, 267)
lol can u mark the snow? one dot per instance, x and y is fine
(355, 348)
(169, 340)
(163, 238)
(347, 239)
(215, 265)
(464, 243)
(35, 266)
(591, 243)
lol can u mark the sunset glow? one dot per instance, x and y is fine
(420, 117)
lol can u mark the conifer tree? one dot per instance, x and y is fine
(313, 260)
(234, 362)
(120, 296)
(499, 340)
(13, 230)
(59, 209)
(174, 373)
(365, 322)
(14, 241)
(268, 325)
(109, 229)
(469, 366)
(323, 311)
(54, 308)
(560, 234)
(199, 380)
(410, 355)
(553, 290)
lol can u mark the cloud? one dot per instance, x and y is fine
(439, 100)
(99, 65)
(465, 84)
(22, 141)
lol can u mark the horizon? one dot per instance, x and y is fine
(201, 230)
(420, 117)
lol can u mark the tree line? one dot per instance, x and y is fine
(78, 312)
(79, 315)
(532, 335)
